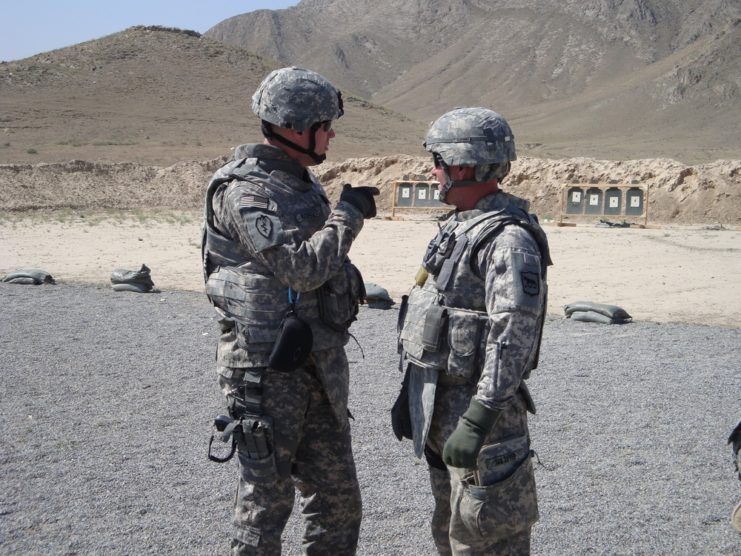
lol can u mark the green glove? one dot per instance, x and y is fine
(463, 446)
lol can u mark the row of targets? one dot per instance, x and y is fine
(610, 201)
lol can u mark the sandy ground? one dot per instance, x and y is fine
(671, 274)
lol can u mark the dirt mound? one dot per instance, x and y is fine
(99, 185)
(678, 193)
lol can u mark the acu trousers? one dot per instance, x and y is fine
(312, 454)
(493, 518)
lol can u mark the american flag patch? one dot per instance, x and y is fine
(254, 201)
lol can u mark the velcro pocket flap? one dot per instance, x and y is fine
(464, 329)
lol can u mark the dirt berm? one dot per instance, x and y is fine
(678, 193)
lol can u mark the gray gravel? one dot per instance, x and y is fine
(106, 401)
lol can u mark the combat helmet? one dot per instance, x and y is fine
(476, 137)
(298, 99)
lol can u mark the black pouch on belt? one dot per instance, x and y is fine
(293, 345)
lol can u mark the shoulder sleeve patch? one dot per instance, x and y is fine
(263, 228)
(526, 279)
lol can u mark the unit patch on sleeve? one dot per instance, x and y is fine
(530, 283)
(263, 228)
(526, 279)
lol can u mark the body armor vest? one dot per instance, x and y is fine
(444, 323)
(247, 295)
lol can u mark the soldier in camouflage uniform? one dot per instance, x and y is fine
(469, 336)
(275, 263)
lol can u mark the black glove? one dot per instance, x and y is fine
(361, 198)
(401, 422)
(463, 446)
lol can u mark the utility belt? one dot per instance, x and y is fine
(436, 336)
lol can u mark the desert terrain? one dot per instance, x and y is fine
(138, 120)
(688, 274)
(106, 148)
(80, 220)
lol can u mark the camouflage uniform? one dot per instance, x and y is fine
(472, 330)
(269, 227)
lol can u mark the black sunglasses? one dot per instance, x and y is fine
(326, 125)
(438, 161)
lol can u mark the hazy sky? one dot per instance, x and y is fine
(28, 28)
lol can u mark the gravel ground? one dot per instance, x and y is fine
(106, 401)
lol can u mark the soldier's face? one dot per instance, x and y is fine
(322, 139)
(456, 173)
(464, 198)
(438, 173)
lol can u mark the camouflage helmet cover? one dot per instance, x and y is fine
(471, 137)
(296, 98)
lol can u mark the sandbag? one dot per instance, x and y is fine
(136, 288)
(32, 276)
(377, 297)
(588, 311)
(138, 281)
(590, 316)
(612, 311)
(608, 224)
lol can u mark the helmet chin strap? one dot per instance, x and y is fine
(267, 131)
(445, 186)
(450, 184)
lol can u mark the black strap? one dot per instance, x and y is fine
(496, 228)
(227, 434)
(267, 131)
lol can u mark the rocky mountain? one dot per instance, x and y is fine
(611, 78)
(157, 95)
(608, 79)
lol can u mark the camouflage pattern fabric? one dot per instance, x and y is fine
(470, 137)
(312, 454)
(498, 276)
(482, 522)
(440, 523)
(300, 243)
(268, 226)
(475, 137)
(296, 98)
